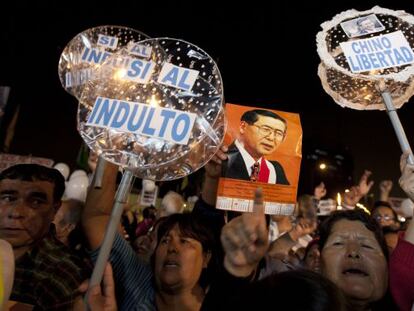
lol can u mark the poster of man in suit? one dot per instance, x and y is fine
(264, 150)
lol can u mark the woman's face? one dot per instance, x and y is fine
(384, 216)
(179, 261)
(353, 259)
(312, 259)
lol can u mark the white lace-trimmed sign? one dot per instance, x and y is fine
(380, 52)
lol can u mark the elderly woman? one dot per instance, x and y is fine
(354, 256)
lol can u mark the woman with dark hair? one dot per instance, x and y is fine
(183, 263)
(384, 215)
(354, 256)
(312, 257)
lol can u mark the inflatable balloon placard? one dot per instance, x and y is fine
(155, 108)
(88, 50)
(357, 49)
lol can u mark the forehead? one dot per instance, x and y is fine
(174, 230)
(271, 122)
(22, 186)
(347, 227)
(177, 232)
(383, 210)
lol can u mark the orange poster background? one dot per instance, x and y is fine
(288, 154)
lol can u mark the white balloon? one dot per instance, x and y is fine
(77, 188)
(148, 185)
(63, 168)
(78, 173)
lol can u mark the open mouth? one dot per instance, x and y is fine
(171, 264)
(354, 271)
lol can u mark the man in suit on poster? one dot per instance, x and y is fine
(261, 132)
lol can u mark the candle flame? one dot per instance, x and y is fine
(338, 201)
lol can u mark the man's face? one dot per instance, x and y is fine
(367, 25)
(26, 210)
(352, 258)
(263, 137)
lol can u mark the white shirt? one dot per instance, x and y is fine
(249, 162)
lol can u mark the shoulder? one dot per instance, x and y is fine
(276, 164)
(57, 261)
(280, 173)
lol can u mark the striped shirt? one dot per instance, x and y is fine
(133, 278)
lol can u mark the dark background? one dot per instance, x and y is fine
(278, 37)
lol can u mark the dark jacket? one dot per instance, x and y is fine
(234, 167)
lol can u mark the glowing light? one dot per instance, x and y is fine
(338, 201)
(368, 97)
(120, 73)
(363, 208)
(322, 166)
(153, 101)
(346, 190)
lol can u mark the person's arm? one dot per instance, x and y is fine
(212, 175)
(355, 194)
(98, 207)
(245, 240)
(385, 189)
(205, 207)
(364, 185)
(407, 184)
(284, 243)
(402, 258)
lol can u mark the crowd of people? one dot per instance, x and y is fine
(171, 258)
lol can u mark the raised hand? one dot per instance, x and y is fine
(365, 186)
(245, 239)
(385, 189)
(385, 186)
(98, 300)
(352, 197)
(303, 227)
(211, 178)
(213, 167)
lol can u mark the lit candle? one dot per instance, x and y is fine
(338, 201)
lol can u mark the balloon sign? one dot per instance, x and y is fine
(368, 62)
(357, 49)
(155, 107)
(88, 50)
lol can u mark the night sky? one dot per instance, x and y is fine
(278, 39)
